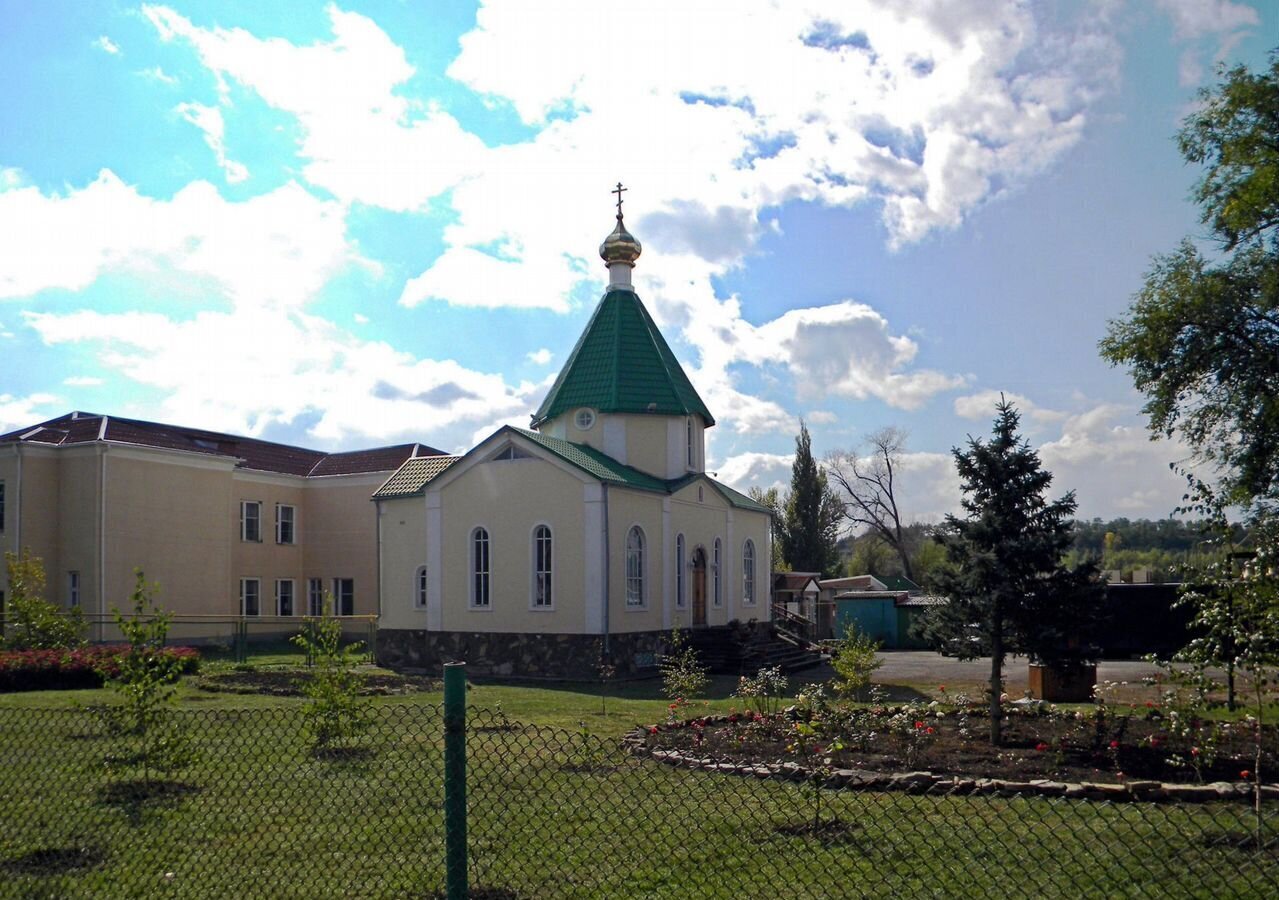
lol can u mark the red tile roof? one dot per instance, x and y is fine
(250, 453)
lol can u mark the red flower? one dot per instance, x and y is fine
(1245, 774)
(942, 688)
(919, 724)
(652, 729)
(1194, 751)
(928, 730)
(1041, 746)
(1114, 745)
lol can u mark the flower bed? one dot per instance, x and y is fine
(83, 667)
(933, 744)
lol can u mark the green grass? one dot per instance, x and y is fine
(552, 813)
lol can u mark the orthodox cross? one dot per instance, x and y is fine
(618, 190)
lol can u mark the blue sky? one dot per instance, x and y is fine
(355, 223)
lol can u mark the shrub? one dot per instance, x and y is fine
(35, 623)
(82, 667)
(854, 661)
(683, 675)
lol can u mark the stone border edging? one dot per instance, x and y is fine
(636, 743)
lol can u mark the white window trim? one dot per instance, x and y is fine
(244, 582)
(421, 588)
(293, 596)
(312, 583)
(533, 605)
(717, 589)
(749, 580)
(244, 521)
(294, 537)
(642, 606)
(681, 577)
(337, 595)
(471, 603)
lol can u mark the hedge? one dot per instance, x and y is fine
(84, 667)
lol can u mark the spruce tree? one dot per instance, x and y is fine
(813, 512)
(1008, 588)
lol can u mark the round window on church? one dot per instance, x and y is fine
(584, 419)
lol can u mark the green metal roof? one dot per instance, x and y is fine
(594, 463)
(734, 498)
(622, 364)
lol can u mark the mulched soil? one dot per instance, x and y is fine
(289, 682)
(1059, 748)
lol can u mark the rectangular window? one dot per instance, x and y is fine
(284, 597)
(250, 520)
(250, 597)
(1, 506)
(344, 596)
(314, 597)
(480, 569)
(285, 519)
(73, 589)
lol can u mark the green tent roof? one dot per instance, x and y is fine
(622, 364)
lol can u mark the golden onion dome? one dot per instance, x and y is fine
(620, 246)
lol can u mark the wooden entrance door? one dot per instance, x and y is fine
(699, 586)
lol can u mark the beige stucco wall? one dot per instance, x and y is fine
(656, 444)
(403, 552)
(626, 509)
(164, 515)
(338, 531)
(509, 498)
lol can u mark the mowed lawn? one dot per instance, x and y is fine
(556, 808)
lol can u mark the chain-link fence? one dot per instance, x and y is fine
(551, 813)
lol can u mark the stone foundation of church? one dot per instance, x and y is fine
(572, 657)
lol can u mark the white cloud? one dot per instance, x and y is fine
(106, 45)
(360, 318)
(363, 139)
(847, 349)
(352, 390)
(279, 247)
(822, 417)
(155, 73)
(540, 357)
(762, 470)
(209, 120)
(18, 412)
(981, 406)
(82, 381)
(1197, 18)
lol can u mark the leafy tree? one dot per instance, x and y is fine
(869, 485)
(772, 499)
(812, 514)
(146, 682)
(1201, 338)
(1007, 587)
(34, 622)
(334, 711)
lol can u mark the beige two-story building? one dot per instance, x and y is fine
(226, 525)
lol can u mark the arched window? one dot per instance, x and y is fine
(419, 588)
(635, 567)
(480, 569)
(688, 435)
(748, 572)
(542, 596)
(717, 592)
(679, 571)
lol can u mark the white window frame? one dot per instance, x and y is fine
(337, 596)
(636, 569)
(245, 505)
(315, 596)
(542, 568)
(748, 573)
(480, 568)
(717, 595)
(279, 523)
(73, 589)
(244, 596)
(419, 588)
(279, 597)
(680, 577)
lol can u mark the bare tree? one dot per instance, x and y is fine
(869, 487)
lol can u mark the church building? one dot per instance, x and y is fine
(594, 531)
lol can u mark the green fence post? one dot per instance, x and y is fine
(455, 780)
